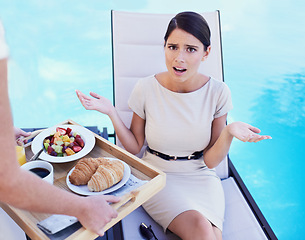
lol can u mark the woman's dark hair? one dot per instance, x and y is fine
(192, 23)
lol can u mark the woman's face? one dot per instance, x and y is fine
(183, 55)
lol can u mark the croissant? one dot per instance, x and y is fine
(106, 176)
(84, 170)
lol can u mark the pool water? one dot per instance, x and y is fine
(57, 47)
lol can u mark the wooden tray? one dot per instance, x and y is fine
(156, 181)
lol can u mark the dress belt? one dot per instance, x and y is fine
(195, 155)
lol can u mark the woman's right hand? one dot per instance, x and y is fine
(96, 102)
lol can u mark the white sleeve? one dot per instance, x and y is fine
(224, 104)
(136, 100)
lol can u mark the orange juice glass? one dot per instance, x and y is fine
(20, 155)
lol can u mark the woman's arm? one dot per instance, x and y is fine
(132, 139)
(222, 136)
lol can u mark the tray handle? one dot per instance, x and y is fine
(131, 196)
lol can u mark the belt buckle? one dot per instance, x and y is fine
(172, 158)
(154, 153)
(190, 156)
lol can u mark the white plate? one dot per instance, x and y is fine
(85, 134)
(84, 190)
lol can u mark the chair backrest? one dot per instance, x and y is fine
(138, 51)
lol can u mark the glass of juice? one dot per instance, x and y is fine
(20, 152)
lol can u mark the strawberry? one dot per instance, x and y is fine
(62, 131)
(77, 148)
(68, 131)
(80, 141)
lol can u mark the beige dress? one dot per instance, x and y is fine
(180, 124)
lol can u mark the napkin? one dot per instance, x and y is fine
(56, 223)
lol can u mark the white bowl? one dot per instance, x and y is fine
(86, 135)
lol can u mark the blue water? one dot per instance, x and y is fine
(59, 46)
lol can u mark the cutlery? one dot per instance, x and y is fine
(35, 157)
(33, 134)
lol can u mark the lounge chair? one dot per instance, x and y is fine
(9, 229)
(137, 41)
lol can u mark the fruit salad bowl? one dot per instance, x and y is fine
(63, 143)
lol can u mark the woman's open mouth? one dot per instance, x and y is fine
(179, 70)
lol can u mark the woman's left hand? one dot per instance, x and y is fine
(245, 132)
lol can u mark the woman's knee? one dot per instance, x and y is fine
(203, 227)
(192, 225)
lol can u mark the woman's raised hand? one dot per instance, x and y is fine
(96, 102)
(245, 132)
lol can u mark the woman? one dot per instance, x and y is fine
(182, 113)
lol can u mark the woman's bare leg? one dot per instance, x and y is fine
(192, 225)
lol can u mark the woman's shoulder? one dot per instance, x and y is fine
(218, 85)
(146, 82)
(147, 79)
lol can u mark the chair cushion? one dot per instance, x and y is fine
(9, 229)
(131, 223)
(239, 224)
